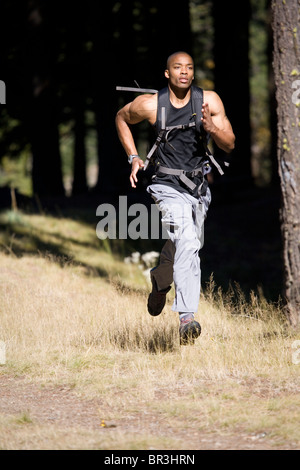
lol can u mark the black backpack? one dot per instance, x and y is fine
(163, 130)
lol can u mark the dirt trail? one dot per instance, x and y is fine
(59, 405)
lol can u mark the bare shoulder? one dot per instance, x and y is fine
(217, 110)
(214, 101)
(144, 107)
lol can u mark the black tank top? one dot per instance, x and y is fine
(185, 151)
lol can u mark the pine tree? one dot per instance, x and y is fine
(286, 63)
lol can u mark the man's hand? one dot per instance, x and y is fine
(137, 164)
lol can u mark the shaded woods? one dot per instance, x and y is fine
(62, 61)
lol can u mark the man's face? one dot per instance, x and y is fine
(180, 71)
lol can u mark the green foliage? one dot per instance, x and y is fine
(203, 36)
(15, 173)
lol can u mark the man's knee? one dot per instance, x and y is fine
(189, 246)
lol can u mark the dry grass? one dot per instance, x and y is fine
(64, 325)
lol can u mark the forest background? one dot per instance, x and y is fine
(61, 63)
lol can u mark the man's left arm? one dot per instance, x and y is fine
(216, 123)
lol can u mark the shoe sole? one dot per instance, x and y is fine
(192, 332)
(155, 312)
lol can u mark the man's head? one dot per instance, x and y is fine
(180, 70)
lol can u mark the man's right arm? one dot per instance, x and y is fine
(132, 113)
(123, 119)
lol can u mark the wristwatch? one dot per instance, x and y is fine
(131, 157)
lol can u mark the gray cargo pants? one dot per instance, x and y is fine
(183, 218)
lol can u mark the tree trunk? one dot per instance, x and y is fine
(113, 175)
(272, 102)
(80, 179)
(77, 76)
(231, 53)
(39, 55)
(44, 138)
(286, 63)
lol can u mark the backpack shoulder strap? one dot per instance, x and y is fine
(163, 104)
(163, 101)
(197, 101)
